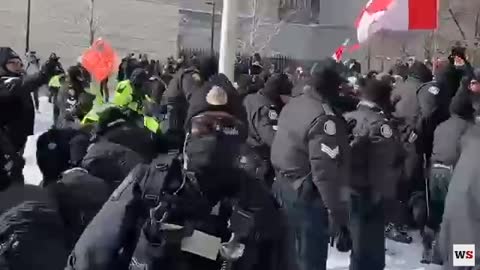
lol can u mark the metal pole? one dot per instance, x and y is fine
(212, 35)
(228, 39)
(27, 37)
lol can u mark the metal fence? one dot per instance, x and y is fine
(280, 62)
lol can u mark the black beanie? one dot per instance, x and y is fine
(420, 71)
(216, 95)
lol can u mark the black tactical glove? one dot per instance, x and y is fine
(51, 65)
(344, 241)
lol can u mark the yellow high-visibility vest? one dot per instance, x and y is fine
(55, 81)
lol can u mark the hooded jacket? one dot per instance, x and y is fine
(17, 113)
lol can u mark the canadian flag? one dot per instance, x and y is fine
(396, 15)
(337, 56)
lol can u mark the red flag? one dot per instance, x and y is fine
(100, 60)
(396, 15)
(337, 56)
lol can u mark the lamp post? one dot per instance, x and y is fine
(212, 34)
(27, 36)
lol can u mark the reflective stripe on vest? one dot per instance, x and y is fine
(123, 94)
(93, 115)
(151, 124)
(55, 81)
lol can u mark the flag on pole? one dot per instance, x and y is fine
(337, 56)
(396, 15)
(100, 60)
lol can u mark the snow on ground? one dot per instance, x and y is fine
(399, 256)
(43, 121)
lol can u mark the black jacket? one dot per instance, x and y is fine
(115, 228)
(461, 218)
(262, 116)
(74, 103)
(446, 143)
(376, 151)
(16, 105)
(312, 143)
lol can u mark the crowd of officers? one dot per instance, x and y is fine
(183, 169)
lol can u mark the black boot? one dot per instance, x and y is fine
(397, 233)
(428, 237)
(436, 255)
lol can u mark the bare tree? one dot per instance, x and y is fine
(92, 23)
(261, 34)
(91, 20)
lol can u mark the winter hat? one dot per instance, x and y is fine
(276, 85)
(420, 71)
(326, 77)
(207, 66)
(6, 54)
(377, 90)
(218, 94)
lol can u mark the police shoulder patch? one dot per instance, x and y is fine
(386, 131)
(196, 77)
(434, 90)
(330, 128)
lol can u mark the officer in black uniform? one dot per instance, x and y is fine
(446, 152)
(180, 89)
(174, 203)
(420, 109)
(376, 168)
(460, 220)
(311, 157)
(263, 109)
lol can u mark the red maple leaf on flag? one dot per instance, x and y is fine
(372, 8)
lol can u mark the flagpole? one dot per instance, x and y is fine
(228, 38)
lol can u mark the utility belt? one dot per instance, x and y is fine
(295, 179)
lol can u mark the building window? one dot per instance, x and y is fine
(299, 11)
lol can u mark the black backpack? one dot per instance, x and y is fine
(32, 237)
(110, 162)
(159, 243)
(79, 196)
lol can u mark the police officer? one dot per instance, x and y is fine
(446, 152)
(460, 218)
(311, 156)
(420, 108)
(73, 101)
(180, 90)
(376, 168)
(263, 109)
(174, 202)
(131, 93)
